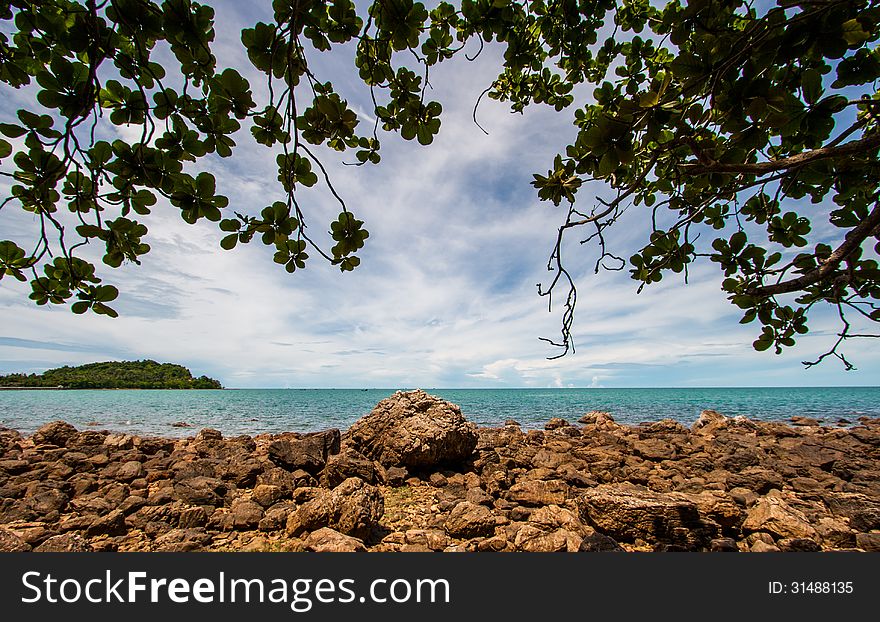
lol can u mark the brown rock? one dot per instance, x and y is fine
(868, 542)
(308, 453)
(55, 433)
(64, 543)
(723, 545)
(599, 543)
(200, 491)
(535, 540)
(347, 463)
(326, 540)
(267, 495)
(353, 508)
(182, 540)
(414, 430)
(468, 520)
(112, 524)
(395, 476)
(626, 512)
(11, 543)
(192, 517)
(773, 515)
(246, 514)
(555, 423)
(539, 492)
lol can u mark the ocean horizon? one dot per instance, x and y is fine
(253, 411)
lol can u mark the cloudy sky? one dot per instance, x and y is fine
(446, 293)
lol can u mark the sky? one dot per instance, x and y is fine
(446, 292)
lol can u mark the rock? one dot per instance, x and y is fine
(532, 539)
(45, 499)
(803, 421)
(288, 481)
(478, 496)
(774, 516)
(181, 424)
(708, 422)
(800, 545)
(112, 524)
(757, 479)
(862, 511)
(326, 540)
(347, 463)
(539, 492)
(512, 422)
(353, 508)
(246, 514)
(868, 542)
(275, 517)
(469, 520)
(64, 543)
(267, 495)
(599, 543)
(208, 436)
(764, 547)
(396, 476)
(723, 545)
(414, 430)
(597, 418)
(308, 453)
(130, 470)
(627, 512)
(11, 543)
(193, 517)
(200, 491)
(182, 540)
(437, 480)
(55, 433)
(432, 539)
(555, 423)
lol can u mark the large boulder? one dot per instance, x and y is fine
(353, 508)
(414, 430)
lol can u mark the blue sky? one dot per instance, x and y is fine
(445, 295)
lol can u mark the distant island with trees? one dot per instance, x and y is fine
(145, 374)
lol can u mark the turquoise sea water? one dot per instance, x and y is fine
(252, 411)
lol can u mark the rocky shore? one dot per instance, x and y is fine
(414, 475)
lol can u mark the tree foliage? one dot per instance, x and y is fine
(744, 133)
(145, 374)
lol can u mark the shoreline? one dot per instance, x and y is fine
(414, 475)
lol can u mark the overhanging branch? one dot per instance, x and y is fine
(855, 147)
(853, 240)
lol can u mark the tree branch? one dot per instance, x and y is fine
(853, 240)
(801, 159)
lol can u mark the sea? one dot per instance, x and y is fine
(255, 411)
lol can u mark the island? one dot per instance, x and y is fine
(146, 374)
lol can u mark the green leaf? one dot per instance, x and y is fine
(228, 242)
(853, 33)
(811, 83)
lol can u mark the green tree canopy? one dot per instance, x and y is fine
(745, 133)
(144, 374)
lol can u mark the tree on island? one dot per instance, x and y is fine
(751, 126)
(144, 374)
